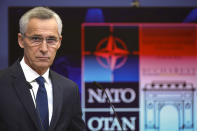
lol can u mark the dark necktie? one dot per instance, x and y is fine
(42, 103)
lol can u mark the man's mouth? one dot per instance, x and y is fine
(43, 58)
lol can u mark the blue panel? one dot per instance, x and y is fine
(129, 71)
(95, 72)
(192, 16)
(94, 15)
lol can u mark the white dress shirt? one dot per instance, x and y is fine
(30, 76)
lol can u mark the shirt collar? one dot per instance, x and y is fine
(30, 74)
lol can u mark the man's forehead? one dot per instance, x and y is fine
(36, 21)
(41, 26)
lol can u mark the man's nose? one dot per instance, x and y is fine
(44, 46)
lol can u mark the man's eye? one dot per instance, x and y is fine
(36, 39)
(51, 40)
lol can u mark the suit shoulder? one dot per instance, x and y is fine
(11, 70)
(5, 77)
(4, 73)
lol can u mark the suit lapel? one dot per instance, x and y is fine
(22, 90)
(57, 100)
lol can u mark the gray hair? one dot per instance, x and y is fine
(40, 13)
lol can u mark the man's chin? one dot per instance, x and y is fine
(43, 65)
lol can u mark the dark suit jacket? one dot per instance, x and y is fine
(17, 110)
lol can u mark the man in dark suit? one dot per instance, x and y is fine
(32, 97)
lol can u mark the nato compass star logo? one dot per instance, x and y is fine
(111, 52)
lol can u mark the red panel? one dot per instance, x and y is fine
(168, 39)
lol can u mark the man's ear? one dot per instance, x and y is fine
(20, 40)
(60, 41)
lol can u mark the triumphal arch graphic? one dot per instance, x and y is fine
(169, 106)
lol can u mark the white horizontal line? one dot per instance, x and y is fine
(110, 109)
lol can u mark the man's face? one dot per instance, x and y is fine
(40, 42)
